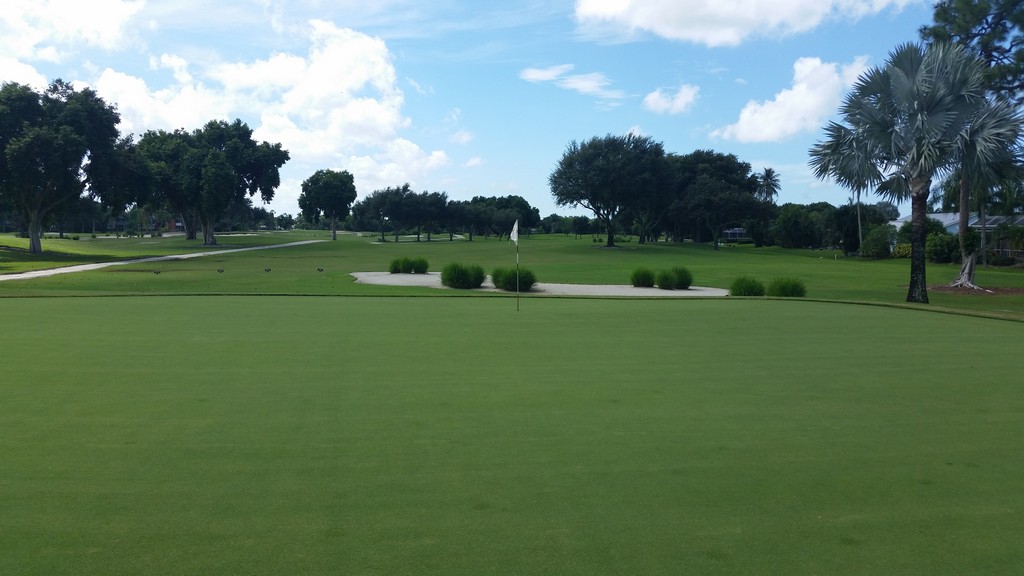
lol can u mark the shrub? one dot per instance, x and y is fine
(940, 247)
(1001, 260)
(683, 278)
(666, 280)
(505, 279)
(746, 286)
(901, 250)
(878, 242)
(396, 266)
(465, 277)
(787, 288)
(420, 265)
(642, 278)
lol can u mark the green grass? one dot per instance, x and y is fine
(322, 435)
(552, 258)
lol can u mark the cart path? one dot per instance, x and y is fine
(97, 265)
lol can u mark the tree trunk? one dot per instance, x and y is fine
(860, 232)
(334, 228)
(918, 290)
(984, 231)
(208, 238)
(610, 243)
(35, 232)
(965, 278)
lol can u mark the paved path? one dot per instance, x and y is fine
(98, 265)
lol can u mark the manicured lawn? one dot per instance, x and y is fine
(325, 435)
(294, 270)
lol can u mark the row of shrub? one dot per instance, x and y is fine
(678, 278)
(471, 276)
(409, 266)
(779, 287)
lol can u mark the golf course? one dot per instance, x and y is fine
(260, 412)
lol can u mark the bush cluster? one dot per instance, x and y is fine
(465, 277)
(409, 266)
(505, 279)
(901, 250)
(678, 278)
(746, 286)
(787, 288)
(879, 242)
(942, 247)
(642, 278)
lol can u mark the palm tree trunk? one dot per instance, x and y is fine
(918, 290)
(965, 278)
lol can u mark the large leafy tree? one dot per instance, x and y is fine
(329, 193)
(221, 147)
(712, 190)
(606, 175)
(902, 125)
(54, 147)
(167, 153)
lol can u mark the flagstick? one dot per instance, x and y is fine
(517, 276)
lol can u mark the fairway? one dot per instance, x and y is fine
(394, 435)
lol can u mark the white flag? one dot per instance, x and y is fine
(514, 236)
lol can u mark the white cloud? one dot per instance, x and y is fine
(462, 137)
(338, 105)
(817, 90)
(548, 74)
(590, 84)
(661, 102)
(12, 70)
(474, 162)
(718, 23)
(48, 30)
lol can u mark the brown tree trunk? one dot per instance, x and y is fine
(918, 290)
(35, 232)
(208, 238)
(334, 228)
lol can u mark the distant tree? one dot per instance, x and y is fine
(605, 175)
(166, 153)
(767, 185)
(285, 221)
(712, 190)
(329, 193)
(222, 148)
(54, 147)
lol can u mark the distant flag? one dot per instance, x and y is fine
(514, 236)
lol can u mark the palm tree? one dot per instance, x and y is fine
(986, 158)
(901, 127)
(768, 185)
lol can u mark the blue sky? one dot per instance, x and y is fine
(470, 97)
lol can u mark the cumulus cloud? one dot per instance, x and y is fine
(717, 23)
(48, 30)
(337, 105)
(474, 162)
(817, 90)
(12, 70)
(662, 102)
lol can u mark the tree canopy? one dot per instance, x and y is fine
(330, 193)
(56, 146)
(604, 175)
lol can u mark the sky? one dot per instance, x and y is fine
(470, 97)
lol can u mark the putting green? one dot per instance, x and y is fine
(367, 435)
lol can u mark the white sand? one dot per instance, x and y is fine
(433, 280)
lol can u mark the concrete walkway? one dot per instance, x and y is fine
(98, 265)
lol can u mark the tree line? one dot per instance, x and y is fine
(61, 154)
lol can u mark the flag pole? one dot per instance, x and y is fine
(514, 236)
